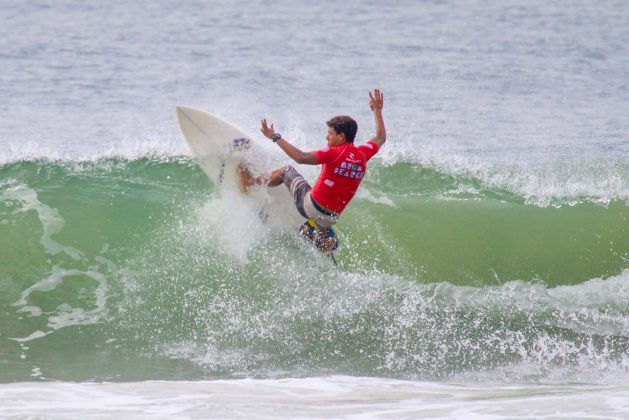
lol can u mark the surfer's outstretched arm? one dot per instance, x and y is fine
(308, 158)
(376, 103)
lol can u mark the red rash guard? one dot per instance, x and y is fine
(343, 169)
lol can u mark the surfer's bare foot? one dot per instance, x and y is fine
(246, 178)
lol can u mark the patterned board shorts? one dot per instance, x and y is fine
(306, 206)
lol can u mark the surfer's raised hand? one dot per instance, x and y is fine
(376, 101)
(268, 132)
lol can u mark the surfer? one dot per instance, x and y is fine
(343, 168)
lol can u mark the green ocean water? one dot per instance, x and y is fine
(118, 269)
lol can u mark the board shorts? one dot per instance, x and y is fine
(306, 205)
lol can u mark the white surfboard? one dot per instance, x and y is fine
(212, 142)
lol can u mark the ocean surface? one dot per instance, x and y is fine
(484, 263)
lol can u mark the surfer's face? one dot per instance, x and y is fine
(333, 138)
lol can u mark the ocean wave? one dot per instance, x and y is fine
(144, 253)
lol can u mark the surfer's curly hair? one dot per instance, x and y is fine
(344, 124)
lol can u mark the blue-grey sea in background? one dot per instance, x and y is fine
(484, 264)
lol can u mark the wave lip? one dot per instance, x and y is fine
(541, 184)
(551, 184)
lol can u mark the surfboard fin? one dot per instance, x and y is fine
(263, 215)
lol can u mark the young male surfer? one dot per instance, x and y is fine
(343, 168)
